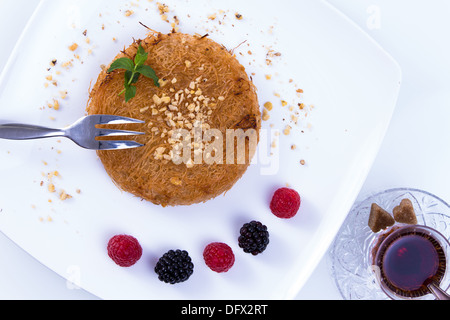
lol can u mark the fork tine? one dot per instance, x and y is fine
(112, 132)
(117, 144)
(111, 119)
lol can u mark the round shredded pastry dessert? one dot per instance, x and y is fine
(201, 124)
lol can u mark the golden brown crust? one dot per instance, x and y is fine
(194, 72)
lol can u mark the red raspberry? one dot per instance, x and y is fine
(285, 203)
(124, 250)
(218, 256)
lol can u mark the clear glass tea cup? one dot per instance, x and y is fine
(350, 257)
(411, 262)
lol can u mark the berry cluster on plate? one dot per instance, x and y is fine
(176, 266)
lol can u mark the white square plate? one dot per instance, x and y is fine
(352, 83)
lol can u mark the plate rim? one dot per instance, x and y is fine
(301, 280)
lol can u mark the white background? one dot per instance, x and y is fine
(415, 152)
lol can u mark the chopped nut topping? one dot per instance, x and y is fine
(189, 163)
(73, 47)
(176, 181)
(142, 110)
(162, 8)
(268, 105)
(265, 115)
(165, 99)
(162, 82)
(63, 195)
(156, 100)
(287, 130)
(54, 105)
(51, 187)
(186, 108)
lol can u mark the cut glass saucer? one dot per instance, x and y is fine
(349, 256)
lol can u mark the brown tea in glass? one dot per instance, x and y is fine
(408, 259)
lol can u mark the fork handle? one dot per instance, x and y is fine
(24, 132)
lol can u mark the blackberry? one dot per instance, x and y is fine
(174, 266)
(254, 237)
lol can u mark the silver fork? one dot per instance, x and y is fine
(83, 132)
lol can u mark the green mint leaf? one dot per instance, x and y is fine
(148, 72)
(130, 93)
(131, 77)
(133, 70)
(122, 63)
(141, 56)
